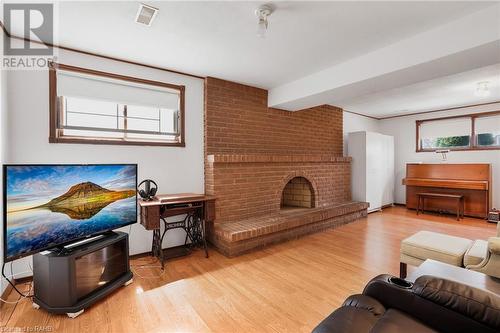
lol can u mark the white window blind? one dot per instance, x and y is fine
(487, 130)
(120, 91)
(445, 128)
(488, 125)
(94, 106)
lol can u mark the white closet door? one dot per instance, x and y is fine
(375, 169)
(356, 148)
(388, 191)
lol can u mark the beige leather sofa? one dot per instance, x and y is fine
(479, 255)
(490, 264)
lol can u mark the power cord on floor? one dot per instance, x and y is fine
(20, 298)
(134, 268)
(13, 285)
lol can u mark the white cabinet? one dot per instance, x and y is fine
(372, 172)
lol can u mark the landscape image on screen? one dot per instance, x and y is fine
(51, 205)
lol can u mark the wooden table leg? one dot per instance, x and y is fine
(402, 270)
(463, 207)
(418, 204)
(205, 239)
(458, 209)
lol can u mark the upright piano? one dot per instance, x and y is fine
(473, 181)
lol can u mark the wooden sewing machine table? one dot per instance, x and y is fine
(199, 209)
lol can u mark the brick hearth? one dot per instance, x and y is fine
(236, 238)
(252, 152)
(249, 192)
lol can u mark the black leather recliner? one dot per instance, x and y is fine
(389, 305)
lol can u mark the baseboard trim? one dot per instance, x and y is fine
(23, 280)
(168, 253)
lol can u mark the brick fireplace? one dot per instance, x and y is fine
(298, 193)
(276, 174)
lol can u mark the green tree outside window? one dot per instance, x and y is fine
(453, 141)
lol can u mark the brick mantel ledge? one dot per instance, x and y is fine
(267, 158)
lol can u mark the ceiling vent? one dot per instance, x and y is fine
(146, 14)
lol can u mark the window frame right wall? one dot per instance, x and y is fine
(472, 145)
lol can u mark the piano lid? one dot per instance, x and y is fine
(448, 183)
(464, 171)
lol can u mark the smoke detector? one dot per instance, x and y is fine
(262, 13)
(146, 14)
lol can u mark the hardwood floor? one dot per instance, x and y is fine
(288, 287)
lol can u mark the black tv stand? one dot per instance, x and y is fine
(71, 278)
(67, 248)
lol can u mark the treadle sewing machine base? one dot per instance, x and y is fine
(198, 209)
(195, 233)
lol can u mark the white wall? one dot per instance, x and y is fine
(403, 129)
(174, 169)
(3, 107)
(354, 123)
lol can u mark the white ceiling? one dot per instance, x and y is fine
(209, 38)
(444, 92)
(219, 38)
(464, 44)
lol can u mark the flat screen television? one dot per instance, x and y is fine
(47, 206)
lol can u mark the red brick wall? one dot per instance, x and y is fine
(237, 120)
(248, 189)
(252, 151)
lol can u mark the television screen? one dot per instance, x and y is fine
(51, 205)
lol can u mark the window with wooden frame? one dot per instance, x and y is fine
(89, 106)
(479, 131)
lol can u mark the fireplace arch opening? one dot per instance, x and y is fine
(297, 193)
